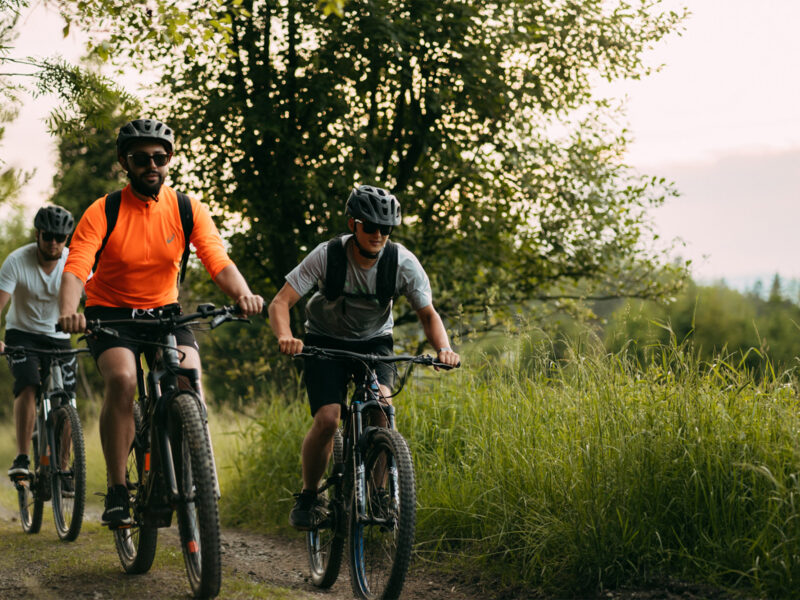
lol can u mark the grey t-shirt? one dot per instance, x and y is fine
(349, 318)
(34, 293)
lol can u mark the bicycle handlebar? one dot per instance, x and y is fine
(204, 311)
(16, 350)
(333, 354)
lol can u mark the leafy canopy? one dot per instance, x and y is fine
(281, 108)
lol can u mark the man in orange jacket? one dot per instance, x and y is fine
(136, 274)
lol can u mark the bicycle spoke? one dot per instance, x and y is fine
(136, 545)
(68, 477)
(325, 545)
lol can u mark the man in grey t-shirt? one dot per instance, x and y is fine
(354, 315)
(31, 276)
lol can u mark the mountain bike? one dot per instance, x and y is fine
(58, 471)
(171, 466)
(368, 488)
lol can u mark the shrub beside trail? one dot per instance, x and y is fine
(585, 473)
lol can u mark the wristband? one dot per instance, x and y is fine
(445, 349)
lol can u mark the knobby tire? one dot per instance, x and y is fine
(326, 544)
(198, 512)
(380, 554)
(136, 545)
(68, 511)
(29, 494)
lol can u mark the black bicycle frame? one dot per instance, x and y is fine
(366, 396)
(54, 390)
(156, 407)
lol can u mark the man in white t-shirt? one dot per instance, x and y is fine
(31, 277)
(351, 310)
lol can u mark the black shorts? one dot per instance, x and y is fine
(326, 380)
(31, 369)
(130, 336)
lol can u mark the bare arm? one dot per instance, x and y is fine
(4, 298)
(231, 281)
(69, 296)
(280, 321)
(437, 335)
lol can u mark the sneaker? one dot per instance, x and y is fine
(67, 487)
(309, 511)
(19, 468)
(117, 514)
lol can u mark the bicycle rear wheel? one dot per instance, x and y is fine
(68, 473)
(326, 544)
(198, 512)
(136, 545)
(382, 537)
(29, 496)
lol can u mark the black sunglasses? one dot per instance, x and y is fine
(49, 236)
(142, 159)
(370, 227)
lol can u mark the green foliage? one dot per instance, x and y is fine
(267, 470)
(280, 111)
(87, 165)
(15, 231)
(747, 329)
(84, 95)
(574, 476)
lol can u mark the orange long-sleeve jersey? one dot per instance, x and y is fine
(139, 266)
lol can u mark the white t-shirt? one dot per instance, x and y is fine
(349, 318)
(34, 293)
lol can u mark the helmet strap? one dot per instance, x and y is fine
(362, 251)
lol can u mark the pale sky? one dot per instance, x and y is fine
(722, 120)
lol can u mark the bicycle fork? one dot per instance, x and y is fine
(361, 437)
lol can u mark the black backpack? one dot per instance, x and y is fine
(113, 201)
(336, 270)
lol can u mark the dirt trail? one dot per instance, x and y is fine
(254, 566)
(40, 567)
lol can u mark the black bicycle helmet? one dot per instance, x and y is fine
(54, 219)
(144, 129)
(373, 204)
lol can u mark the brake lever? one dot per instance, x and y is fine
(104, 331)
(219, 320)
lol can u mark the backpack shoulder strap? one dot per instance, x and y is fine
(113, 201)
(335, 269)
(386, 287)
(187, 222)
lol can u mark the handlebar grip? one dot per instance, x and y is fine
(444, 366)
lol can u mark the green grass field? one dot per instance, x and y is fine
(581, 474)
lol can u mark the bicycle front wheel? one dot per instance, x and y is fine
(326, 543)
(29, 493)
(68, 473)
(381, 537)
(198, 512)
(136, 545)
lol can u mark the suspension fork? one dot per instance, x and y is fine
(359, 481)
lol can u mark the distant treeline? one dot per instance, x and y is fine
(749, 329)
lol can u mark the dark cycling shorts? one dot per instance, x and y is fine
(326, 380)
(31, 369)
(130, 336)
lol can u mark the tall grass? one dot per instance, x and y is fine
(225, 427)
(584, 473)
